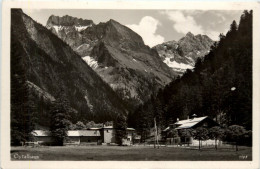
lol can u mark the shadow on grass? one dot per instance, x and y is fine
(18, 151)
(220, 149)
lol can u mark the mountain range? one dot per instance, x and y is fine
(121, 58)
(104, 68)
(182, 55)
(117, 54)
(51, 65)
(220, 85)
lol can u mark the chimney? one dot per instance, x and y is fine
(193, 116)
(187, 117)
(177, 119)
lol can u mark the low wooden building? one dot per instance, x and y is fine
(93, 136)
(73, 137)
(90, 136)
(42, 137)
(108, 135)
(182, 125)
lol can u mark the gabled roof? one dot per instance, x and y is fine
(107, 127)
(189, 123)
(41, 133)
(111, 127)
(71, 133)
(131, 129)
(166, 129)
(94, 128)
(89, 133)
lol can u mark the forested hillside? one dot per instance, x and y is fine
(220, 85)
(117, 54)
(42, 65)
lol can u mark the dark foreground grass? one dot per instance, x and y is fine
(131, 153)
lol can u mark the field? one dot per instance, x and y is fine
(129, 153)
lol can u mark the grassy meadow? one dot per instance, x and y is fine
(130, 153)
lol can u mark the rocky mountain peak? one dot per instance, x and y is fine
(182, 55)
(17, 10)
(67, 20)
(118, 55)
(56, 66)
(189, 34)
(113, 21)
(122, 34)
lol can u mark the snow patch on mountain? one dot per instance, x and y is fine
(57, 28)
(81, 28)
(179, 70)
(174, 64)
(88, 101)
(84, 44)
(90, 61)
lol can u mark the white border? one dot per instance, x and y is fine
(195, 5)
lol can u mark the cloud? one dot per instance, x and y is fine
(214, 35)
(184, 23)
(147, 29)
(221, 18)
(194, 12)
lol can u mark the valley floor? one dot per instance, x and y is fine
(129, 153)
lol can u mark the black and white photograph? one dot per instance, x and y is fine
(116, 84)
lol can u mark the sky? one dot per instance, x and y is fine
(155, 26)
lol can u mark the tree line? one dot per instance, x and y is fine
(220, 86)
(234, 134)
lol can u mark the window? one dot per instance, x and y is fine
(107, 131)
(205, 124)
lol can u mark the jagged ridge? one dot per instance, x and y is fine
(51, 64)
(124, 61)
(183, 54)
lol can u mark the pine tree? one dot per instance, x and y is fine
(120, 127)
(216, 133)
(22, 107)
(60, 123)
(235, 133)
(207, 89)
(233, 26)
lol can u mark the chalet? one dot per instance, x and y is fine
(182, 125)
(91, 136)
(42, 137)
(74, 136)
(108, 135)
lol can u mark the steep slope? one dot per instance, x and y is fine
(50, 65)
(220, 86)
(121, 58)
(68, 28)
(183, 54)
